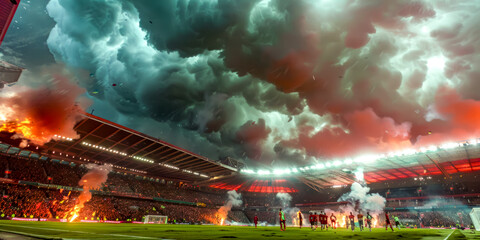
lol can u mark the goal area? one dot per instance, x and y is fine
(475, 216)
(156, 219)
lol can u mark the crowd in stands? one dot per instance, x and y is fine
(47, 171)
(270, 217)
(34, 202)
(123, 197)
(27, 201)
(449, 218)
(238, 216)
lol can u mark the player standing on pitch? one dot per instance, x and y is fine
(333, 219)
(312, 220)
(360, 220)
(255, 220)
(283, 226)
(397, 222)
(325, 220)
(369, 221)
(300, 219)
(320, 220)
(387, 222)
(352, 221)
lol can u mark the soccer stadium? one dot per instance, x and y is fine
(245, 119)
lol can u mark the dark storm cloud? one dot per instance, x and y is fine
(273, 79)
(194, 92)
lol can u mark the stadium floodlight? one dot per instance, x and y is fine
(249, 171)
(278, 171)
(409, 151)
(263, 172)
(449, 145)
(432, 148)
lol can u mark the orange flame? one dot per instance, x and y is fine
(25, 128)
(221, 221)
(74, 213)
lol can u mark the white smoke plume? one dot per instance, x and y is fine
(291, 214)
(285, 199)
(234, 200)
(359, 175)
(360, 198)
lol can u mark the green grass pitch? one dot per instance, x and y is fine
(57, 230)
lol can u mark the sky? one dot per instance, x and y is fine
(273, 82)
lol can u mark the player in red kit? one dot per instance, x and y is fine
(387, 222)
(333, 219)
(351, 217)
(255, 220)
(300, 219)
(324, 221)
(312, 220)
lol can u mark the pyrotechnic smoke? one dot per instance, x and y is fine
(359, 175)
(285, 199)
(37, 114)
(234, 200)
(93, 179)
(360, 196)
(291, 213)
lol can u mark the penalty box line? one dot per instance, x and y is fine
(63, 230)
(449, 234)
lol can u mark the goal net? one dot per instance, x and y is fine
(157, 219)
(475, 216)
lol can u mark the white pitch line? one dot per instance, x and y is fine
(62, 230)
(26, 234)
(449, 234)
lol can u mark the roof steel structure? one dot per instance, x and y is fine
(142, 152)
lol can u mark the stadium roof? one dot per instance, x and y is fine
(7, 11)
(107, 142)
(451, 158)
(459, 157)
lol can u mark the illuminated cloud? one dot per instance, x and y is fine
(277, 80)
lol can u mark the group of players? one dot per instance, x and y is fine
(322, 218)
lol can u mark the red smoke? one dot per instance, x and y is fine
(37, 114)
(458, 118)
(366, 132)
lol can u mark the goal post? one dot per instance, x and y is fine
(475, 216)
(156, 219)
